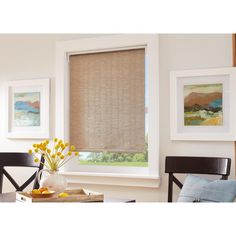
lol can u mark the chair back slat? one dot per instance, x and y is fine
(18, 160)
(9, 177)
(28, 181)
(195, 165)
(198, 165)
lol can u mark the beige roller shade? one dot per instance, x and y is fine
(107, 107)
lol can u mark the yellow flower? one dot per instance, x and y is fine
(57, 152)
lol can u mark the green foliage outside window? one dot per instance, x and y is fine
(118, 158)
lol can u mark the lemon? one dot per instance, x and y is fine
(45, 192)
(36, 191)
(63, 194)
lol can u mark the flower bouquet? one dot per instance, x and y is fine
(56, 154)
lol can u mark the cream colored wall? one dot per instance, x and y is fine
(25, 57)
(179, 52)
(33, 57)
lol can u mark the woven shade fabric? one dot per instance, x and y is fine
(107, 101)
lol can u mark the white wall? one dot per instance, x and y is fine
(179, 52)
(32, 56)
(25, 57)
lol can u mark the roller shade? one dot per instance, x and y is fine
(107, 101)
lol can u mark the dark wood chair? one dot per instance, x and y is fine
(21, 160)
(195, 165)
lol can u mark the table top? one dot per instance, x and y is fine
(11, 197)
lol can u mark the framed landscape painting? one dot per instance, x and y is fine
(202, 104)
(28, 109)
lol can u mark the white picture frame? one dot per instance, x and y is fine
(180, 129)
(26, 122)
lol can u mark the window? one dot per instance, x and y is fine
(107, 108)
(111, 160)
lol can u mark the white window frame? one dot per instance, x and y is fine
(148, 177)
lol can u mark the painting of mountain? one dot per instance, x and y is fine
(27, 109)
(203, 104)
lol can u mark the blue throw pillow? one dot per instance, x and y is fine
(199, 189)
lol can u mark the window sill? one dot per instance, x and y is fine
(131, 180)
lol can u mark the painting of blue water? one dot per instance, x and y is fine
(27, 109)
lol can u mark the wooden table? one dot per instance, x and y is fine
(11, 197)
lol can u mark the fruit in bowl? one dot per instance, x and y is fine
(43, 189)
(41, 193)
